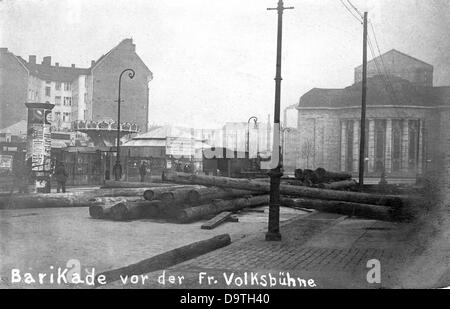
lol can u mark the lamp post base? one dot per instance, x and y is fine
(117, 171)
(273, 236)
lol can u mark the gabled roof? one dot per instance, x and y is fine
(394, 52)
(125, 42)
(18, 128)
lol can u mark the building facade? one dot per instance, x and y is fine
(77, 93)
(404, 121)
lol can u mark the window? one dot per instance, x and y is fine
(58, 86)
(47, 91)
(57, 100)
(67, 101)
(66, 117)
(67, 86)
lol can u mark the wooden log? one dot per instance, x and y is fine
(198, 196)
(326, 176)
(127, 184)
(305, 192)
(68, 199)
(344, 208)
(288, 181)
(199, 212)
(125, 191)
(216, 221)
(233, 218)
(253, 210)
(167, 259)
(338, 185)
(126, 211)
(112, 200)
(157, 193)
(50, 200)
(100, 211)
(309, 176)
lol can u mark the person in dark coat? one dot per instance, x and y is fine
(143, 171)
(61, 177)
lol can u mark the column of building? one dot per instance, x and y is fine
(420, 154)
(343, 145)
(371, 145)
(405, 146)
(388, 148)
(356, 133)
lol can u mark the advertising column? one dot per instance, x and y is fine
(39, 143)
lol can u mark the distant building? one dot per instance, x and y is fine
(405, 123)
(77, 93)
(398, 64)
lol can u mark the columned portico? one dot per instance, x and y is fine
(393, 145)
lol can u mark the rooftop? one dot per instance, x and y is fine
(381, 90)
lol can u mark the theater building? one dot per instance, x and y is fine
(405, 121)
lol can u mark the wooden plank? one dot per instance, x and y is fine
(233, 218)
(167, 259)
(216, 221)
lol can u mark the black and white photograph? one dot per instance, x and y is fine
(224, 150)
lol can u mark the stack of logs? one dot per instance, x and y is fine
(187, 197)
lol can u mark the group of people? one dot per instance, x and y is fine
(24, 175)
(184, 167)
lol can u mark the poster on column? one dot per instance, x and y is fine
(39, 142)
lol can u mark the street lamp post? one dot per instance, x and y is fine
(273, 233)
(255, 120)
(117, 166)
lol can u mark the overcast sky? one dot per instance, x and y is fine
(214, 60)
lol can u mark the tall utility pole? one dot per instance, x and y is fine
(362, 139)
(275, 174)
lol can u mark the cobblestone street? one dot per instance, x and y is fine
(331, 249)
(35, 239)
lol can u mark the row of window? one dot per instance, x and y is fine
(65, 117)
(67, 101)
(66, 85)
(48, 89)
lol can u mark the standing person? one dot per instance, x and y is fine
(143, 171)
(61, 177)
(21, 177)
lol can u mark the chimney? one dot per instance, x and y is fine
(47, 61)
(56, 64)
(127, 44)
(92, 63)
(32, 59)
(73, 65)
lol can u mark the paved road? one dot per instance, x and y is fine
(330, 249)
(36, 239)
